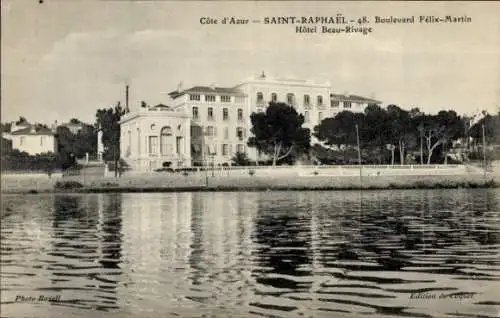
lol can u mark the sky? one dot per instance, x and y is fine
(65, 59)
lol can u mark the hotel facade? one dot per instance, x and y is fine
(208, 125)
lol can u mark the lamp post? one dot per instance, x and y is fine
(213, 164)
(484, 151)
(359, 155)
(205, 163)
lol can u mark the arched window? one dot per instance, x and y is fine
(166, 140)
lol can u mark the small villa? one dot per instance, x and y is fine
(156, 136)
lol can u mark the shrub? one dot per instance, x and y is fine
(251, 172)
(67, 185)
(109, 184)
(166, 164)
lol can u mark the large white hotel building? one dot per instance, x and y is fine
(206, 125)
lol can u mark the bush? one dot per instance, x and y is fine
(240, 159)
(110, 184)
(166, 164)
(165, 170)
(67, 185)
(251, 172)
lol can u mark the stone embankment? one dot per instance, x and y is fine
(262, 179)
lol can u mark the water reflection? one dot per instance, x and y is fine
(276, 254)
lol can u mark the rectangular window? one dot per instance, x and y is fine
(290, 99)
(178, 145)
(195, 131)
(239, 99)
(307, 100)
(240, 148)
(153, 145)
(41, 140)
(225, 149)
(195, 112)
(225, 114)
(21, 141)
(225, 99)
(334, 103)
(320, 117)
(166, 146)
(240, 114)
(320, 100)
(210, 113)
(306, 117)
(194, 97)
(210, 98)
(240, 133)
(347, 104)
(211, 131)
(226, 133)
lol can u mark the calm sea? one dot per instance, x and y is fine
(428, 253)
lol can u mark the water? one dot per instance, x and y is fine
(267, 254)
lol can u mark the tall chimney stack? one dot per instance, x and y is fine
(126, 99)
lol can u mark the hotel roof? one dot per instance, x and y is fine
(354, 98)
(207, 89)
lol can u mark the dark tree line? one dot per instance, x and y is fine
(386, 135)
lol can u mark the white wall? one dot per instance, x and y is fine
(34, 144)
(220, 125)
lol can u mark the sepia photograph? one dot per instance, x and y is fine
(250, 159)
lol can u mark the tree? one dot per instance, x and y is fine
(491, 128)
(403, 131)
(21, 120)
(278, 132)
(108, 121)
(340, 131)
(240, 159)
(440, 129)
(65, 141)
(375, 131)
(86, 141)
(5, 128)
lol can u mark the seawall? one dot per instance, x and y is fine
(262, 179)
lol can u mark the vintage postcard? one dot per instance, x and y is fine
(250, 159)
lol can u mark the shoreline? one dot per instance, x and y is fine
(248, 184)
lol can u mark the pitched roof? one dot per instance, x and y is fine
(207, 89)
(160, 107)
(41, 131)
(354, 98)
(72, 124)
